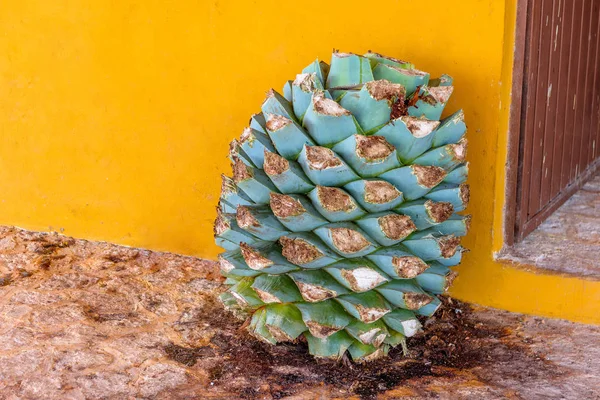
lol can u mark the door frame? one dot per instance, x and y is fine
(514, 125)
(514, 218)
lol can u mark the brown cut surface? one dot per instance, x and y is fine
(227, 185)
(439, 211)
(373, 148)
(277, 122)
(221, 224)
(334, 199)
(396, 226)
(275, 164)
(449, 245)
(306, 82)
(458, 151)
(284, 206)
(321, 158)
(89, 320)
(419, 127)
(370, 314)
(245, 218)
(313, 293)
(409, 266)
(348, 240)
(241, 172)
(395, 95)
(380, 192)
(326, 106)
(441, 94)
(414, 301)
(465, 193)
(253, 258)
(299, 251)
(385, 90)
(321, 331)
(428, 176)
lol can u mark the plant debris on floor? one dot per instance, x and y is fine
(90, 320)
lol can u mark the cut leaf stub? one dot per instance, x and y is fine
(340, 222)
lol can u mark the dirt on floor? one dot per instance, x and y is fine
(567, 242)
(89, 320)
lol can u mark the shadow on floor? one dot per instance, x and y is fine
(569, 240)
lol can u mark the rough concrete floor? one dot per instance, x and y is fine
(569, 240)
(83, 320)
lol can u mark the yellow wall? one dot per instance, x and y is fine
(115, 115)
(521, 288)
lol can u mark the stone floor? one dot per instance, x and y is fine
(569, 240)
(84, 320)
